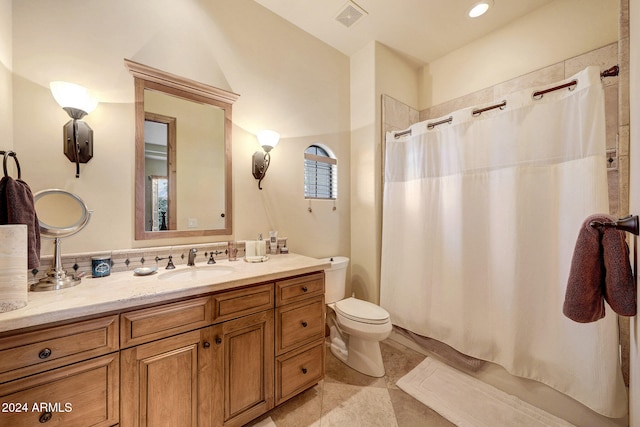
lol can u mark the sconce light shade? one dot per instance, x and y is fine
(268, 139)
(73, 97)
(78, 136)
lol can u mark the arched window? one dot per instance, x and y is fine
(320, 174)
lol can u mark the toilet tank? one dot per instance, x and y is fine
(335, 278)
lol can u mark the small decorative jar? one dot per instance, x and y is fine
(100, 266)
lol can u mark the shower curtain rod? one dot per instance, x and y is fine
(609, 72)
(540, 93)
(479, 111)
(441, 122)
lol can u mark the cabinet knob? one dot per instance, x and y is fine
(305, 289)
(206, 344)
(304, 324)
(218, 340)
(44, 353)
(304, 370)
(46, 416)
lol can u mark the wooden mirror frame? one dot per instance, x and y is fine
(146, 77)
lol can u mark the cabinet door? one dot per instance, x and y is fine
(169, 382)
(248, 367)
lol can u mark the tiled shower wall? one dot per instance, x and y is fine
(398, 116)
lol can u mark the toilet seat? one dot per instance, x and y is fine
(362, 311)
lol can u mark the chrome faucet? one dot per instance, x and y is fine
(192, 257)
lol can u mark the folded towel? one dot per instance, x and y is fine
(600, 271)
(17, 207)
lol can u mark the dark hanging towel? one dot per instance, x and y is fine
(17, 207)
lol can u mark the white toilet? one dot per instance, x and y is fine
(357, 326)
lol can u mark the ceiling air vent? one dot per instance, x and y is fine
(350, 13)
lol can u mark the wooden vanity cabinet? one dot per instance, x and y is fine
(220, 375)
(221, 359)
(61, 376)
(300, 350)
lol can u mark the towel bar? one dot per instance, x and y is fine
(629, 224)
(6, 155)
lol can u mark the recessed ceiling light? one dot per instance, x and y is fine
(479, 9)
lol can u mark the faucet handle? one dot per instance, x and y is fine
(170, 265)
(211, 254)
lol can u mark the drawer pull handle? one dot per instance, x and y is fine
(304, 370)
(46, 416)
(304, 324)
(218, 340)
(44, 353)
(305, 289)
(206, 344)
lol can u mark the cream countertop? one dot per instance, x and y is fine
(124, 290)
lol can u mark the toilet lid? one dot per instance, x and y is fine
(362, 311)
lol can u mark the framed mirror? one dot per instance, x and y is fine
(182, 156)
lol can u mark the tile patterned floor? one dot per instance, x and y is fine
(346, 398)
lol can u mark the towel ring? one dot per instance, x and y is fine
(8, 154)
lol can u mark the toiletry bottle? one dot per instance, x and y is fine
(273, 242)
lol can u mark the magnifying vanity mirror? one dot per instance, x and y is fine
(183, 156)
(60, 214)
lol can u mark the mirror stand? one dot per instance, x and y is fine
(56, 277)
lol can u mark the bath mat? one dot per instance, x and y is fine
(267, 422)
(468, 402)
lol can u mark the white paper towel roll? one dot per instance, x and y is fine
(13, 267)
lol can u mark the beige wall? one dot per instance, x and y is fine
(6, 108)
(559, 30)
(287, 80)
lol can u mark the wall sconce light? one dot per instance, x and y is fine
(268, 139)
(78, 136)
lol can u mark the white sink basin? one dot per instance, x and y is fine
(204, 272)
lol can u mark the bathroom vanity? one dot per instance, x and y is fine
(218, 348)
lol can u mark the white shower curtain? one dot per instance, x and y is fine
(480, 218)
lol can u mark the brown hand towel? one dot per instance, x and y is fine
(620, 288)
(599, 270)
(17, 207)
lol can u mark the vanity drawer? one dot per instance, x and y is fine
(32, 352)
(231, 304)
(299, 323)
(148, 324)
(79, 395)
(299, 370)
(299, 288)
